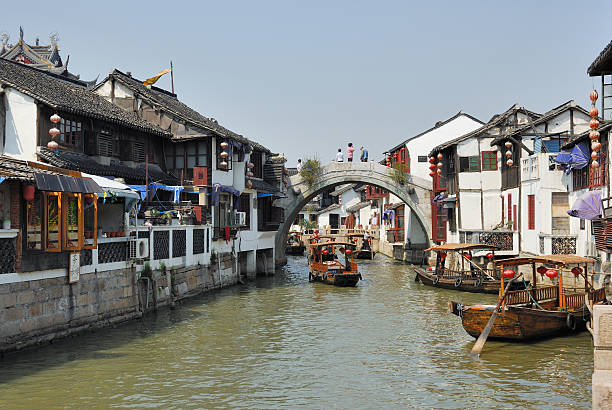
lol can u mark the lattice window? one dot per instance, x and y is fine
(179, 243)
(112, 252)
(563, 245)
(70, 132)
(7, 255)
(541, 246)
(198, 241)
(503, 240)
(489, 160)
(161, 245)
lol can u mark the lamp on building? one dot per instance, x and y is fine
(224, 145)
(594, 134)
(54, 132)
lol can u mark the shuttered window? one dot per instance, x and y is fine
(531, 212)
(105, 144)
(138, 152)
(559, 208)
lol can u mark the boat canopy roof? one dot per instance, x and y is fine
(354, 234)
(330, 243)
(460, 247)
(552, 259)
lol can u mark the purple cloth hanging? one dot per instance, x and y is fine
(588, 206)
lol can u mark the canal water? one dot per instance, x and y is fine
(283, 342)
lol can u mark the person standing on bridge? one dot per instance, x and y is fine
(299, 165)
(339, 155)
(364, 154)
(349, 152)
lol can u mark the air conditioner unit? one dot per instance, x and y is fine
(139, 248)
(240, 219)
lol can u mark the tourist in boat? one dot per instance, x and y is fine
(339, 156)
(349, 152)
(366, 241)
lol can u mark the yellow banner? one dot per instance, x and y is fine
(153, 80)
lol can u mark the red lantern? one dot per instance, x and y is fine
(325, 252)
(576, 271)
(223, 164)
(593, 112)
(316, 231)
(594, 155)
(431, 268)
(508, 144)
(285, 182)
(594, 164)
(593, 96)
(348, 252)
(594, 123)
(432, 160)
(54, 132)
(432, 167)
(490, 255)
(432, 174)
(224, 154)
(541, 270)
(440, 156)
(508, 273)
(224, 145)
(249, 184)
(28, 192)
(467, 255)
(439, 171)
(442, 255)
(551, 273)
(594, 135)
(595, 145)
(316, 237)
(55, 118)
(251, 165)
(52, 145)
(508, 154)
(509, 162)
(440, 165)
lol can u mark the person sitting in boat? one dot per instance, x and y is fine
(366, 241)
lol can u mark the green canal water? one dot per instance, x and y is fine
(284, 342)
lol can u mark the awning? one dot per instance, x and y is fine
(577, 158)
(116, 188)
(65, 183)
(588, 206)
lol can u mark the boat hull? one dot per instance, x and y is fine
(466, 285)
(520, 323)
(336, 279)
(295, 250)
(365, 254)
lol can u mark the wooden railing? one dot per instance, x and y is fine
(598, 295)
(574, 300)
(519, 297)
(546, 293)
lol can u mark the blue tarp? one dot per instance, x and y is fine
(577, 158)
(216, 191)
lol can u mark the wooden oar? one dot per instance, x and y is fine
(482, 339)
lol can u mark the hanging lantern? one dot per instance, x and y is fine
(285, 171)
(508, 154)
(223, 164)
(325, 252)
(509, 162)
(432, 167)
(55, 118)
(439, 171)
(28, 192)
(442, 255)
(593, 135)
(593, 123)
(52, 145)
(541, 270)
(508, 273)
(250, 174)
(432, 160)
(576, 271)
(439, 165)
(593, 96)
(508, 144)
(224, 145)
(348, 252)
(249, 184)
(595, 146)
(285, 182)
(316, 231)
(54, 132)
(594, 155)
(467, 255)
(490, 255)
(250, 165)
(551, 273)
(431, 268)
(594, 164)
(432, 174)
(224, 154)
(440, 156)
(594, 112)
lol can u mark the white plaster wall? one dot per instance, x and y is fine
(470, 208)
(469, 180)
(468, 147)
(426, 142)
(492, 208)
(21, 115)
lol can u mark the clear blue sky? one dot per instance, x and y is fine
(304, 78)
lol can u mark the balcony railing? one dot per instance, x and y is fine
(395, 235)
(505, 241)
(557, 244)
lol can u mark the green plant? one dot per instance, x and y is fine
(311, 171)
(398, 174)
(509, 224)
(306, 224)
(162, 267)
(146, 270)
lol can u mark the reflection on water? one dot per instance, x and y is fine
(284, 342)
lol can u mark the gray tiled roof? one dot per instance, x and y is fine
(67, 96)
(603, 62)
(168, 101)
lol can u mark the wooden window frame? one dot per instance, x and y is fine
(471, 160)
(531, 212)
(58, 196)
(489, 160)
(257, 160)
(598, 176)
(66, 196)
(75, 128)
(41, 222)
(95, 221)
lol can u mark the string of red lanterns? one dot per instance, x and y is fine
(54, 132)
(509, 160)
(594, 134)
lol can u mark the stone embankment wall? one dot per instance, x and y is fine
(38, 311)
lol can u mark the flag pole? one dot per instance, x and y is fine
(172, 76)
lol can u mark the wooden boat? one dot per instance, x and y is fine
(539, 311)
(295, 244)
(468, 277)
(324, 266)
(364, 248)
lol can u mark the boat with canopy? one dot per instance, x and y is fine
(364, 246)
(324, 265)
(295, 244)
(456, 269)
(538, 311)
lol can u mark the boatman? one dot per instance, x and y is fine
(366, 241)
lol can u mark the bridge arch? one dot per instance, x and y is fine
(415, 193)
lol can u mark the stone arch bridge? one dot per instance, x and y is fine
(415, 193)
